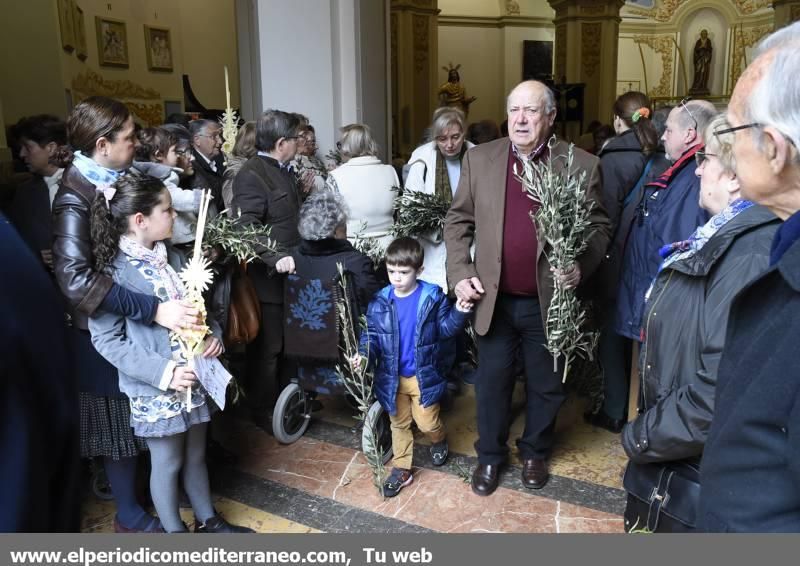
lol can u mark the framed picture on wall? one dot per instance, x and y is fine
(112, 42)
(80, 33)
(158, 44)
(65, 23)
(537, 60)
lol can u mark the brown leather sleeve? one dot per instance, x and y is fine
(459, 228)
(73, 261)
(600, 225)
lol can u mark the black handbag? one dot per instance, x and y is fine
(662, 497)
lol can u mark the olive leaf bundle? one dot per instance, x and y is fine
(418, 213)
(244, 241)
(563, 224)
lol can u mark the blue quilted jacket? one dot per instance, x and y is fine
(437, 320)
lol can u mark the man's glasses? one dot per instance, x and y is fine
(683, 104)
(701, 157)
(725, 131)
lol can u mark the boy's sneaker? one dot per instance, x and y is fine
(397, 480)
(439, 453)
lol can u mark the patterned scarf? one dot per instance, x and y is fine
(687, 248)
(157, 260)
(441, 182)
(96, 174)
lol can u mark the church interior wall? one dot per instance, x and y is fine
(202, 32)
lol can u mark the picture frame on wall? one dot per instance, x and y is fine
(112, 42)
(79, 25)
(158, 45)
(66, 25)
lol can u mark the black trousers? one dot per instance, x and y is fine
(263, 361)
(517, 322)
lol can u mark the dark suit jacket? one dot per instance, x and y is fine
(30, 213)
(478, 213)
(40, 472)
(750, 473)
(205, 178)
(267, 195)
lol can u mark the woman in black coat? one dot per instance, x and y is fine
(686, 315)
(625, 161)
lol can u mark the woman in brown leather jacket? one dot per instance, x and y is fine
(100, 132)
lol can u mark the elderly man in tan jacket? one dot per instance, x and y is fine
(512, 282)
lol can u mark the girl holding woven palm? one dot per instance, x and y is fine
(130, 221)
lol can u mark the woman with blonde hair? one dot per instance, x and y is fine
(366, 185)
(434, 168)
(243, 149)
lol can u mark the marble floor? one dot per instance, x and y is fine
(323, 483)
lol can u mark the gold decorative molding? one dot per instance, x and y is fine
(492, 22)
(91, 83)
(592, 10)
(591, 34)
(742, 39)
(419, 26)
(664, 45)
(748, 7)
(512, 8)
(664, 10)
(150, 114)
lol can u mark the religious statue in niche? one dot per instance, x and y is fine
(453, 93)
(702, 64)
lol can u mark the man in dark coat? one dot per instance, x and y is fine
(40, 470)
(511, 282)
(750, 472)
(265, 193)
(669, 212)
(209, 163)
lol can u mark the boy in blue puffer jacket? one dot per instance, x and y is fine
(407, 322)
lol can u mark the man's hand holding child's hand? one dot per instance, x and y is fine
(464, 306)
(213, 347)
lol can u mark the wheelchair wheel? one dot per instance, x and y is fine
(291, 416)
(100, 486)
(378, 420)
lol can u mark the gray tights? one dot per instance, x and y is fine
(183, 453)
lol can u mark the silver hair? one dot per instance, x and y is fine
(775, 98)
(198, 127)
(323, 212)
(549, 97)
(357, 141)
(721, 146)
(445, 117)
(700, 111)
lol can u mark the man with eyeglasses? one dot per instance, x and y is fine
(669, 211)
(209, 163)
(750, 473)
(265, 193)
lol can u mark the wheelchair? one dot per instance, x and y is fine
(312, 341)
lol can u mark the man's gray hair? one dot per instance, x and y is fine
(549, 97)
(775, 99)
(700, 111)
(273, 125)
(445, 117)
(323, 212)
(198, 127)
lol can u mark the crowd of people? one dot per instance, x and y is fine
(691, 267)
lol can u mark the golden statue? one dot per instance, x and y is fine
(452, 93)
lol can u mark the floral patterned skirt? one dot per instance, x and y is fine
(167, 414)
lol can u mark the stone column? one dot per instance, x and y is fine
(326, 59)
(786, 12)
(414, 62)
(587, 37)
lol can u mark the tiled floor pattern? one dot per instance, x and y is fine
(327, 474)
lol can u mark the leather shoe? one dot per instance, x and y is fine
(485, 479)
(601, 420)
(535, 473)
